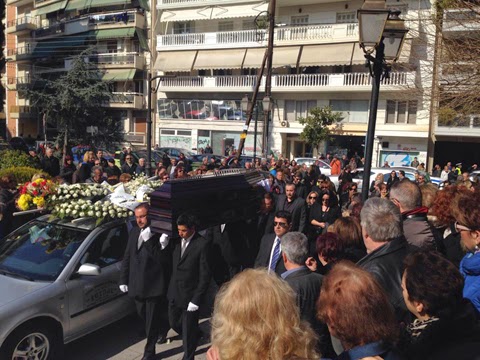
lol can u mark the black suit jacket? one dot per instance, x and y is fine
(298, 210)
(386, 265)
(263, 256)
(191, 274)
(306, 285)
(146, 271)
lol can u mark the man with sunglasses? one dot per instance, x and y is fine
(269, 254)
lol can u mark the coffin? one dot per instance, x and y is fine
(220, 198)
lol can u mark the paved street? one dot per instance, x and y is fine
(121, 341)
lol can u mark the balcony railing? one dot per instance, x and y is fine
(54, 28)
(24, 20)
(468, 122)
(113, 59)
(300, 81)
(20, 111)
(22, 80)
(126, 100)
(180, 3)
(241, 38)
(22, 50)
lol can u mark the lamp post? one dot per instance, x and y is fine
(383, 32)
(150, 90)
(246, 107)
(267, 104)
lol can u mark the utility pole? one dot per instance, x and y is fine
(268, 80)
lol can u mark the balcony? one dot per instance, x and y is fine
(458, 22)
(288, 83)
(464, 126)
(14, 83)
(118, 61)
(20, 112)
(311, 34)
(171, 4)
(22, 25)
(91, 22)
(121, 100)
(22, 53)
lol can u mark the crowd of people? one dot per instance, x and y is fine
(317, 272)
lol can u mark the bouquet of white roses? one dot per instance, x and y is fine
(79, 208)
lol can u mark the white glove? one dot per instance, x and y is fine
(192, 307)
(123, 288)
(146, 234)
(164, 240)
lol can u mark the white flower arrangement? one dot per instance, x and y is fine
(76, 201)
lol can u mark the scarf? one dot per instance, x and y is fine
(415, 329)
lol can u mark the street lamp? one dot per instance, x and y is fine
(246, 105)
(150, 90)
(383, 32)
(267, 104)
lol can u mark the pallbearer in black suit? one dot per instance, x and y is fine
(190, 280)
(144, 275)
(270, 253)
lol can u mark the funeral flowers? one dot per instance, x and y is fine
(35, 194)
(79, 208)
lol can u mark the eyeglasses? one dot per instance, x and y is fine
(312, 197)
(460, 228)
(281, 224)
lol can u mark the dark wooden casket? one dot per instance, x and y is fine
(226, 196)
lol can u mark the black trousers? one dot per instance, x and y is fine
(185, 323)
(154, 313)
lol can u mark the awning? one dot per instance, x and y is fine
(119, 75)
(144, 4)
(85, 4)
(51, 8)
(142, 39)
(112, 33)
(254, 58)
(285, 56)
(46, 48)
(328, 54)
(214, 12)
(175, 61)
(219, 59)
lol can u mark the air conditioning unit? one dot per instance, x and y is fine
(284, 123)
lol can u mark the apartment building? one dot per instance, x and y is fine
(214, 48)
(43, 35)
(456, 129)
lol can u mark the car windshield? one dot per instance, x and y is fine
(39, 250)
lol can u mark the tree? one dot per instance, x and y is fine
(316, 125)
(74, 101)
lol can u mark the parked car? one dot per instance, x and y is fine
(17, 143)
(243, 159)
(325, 167)
(198, 159)
(59, 282)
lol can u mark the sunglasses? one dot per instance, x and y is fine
(460, 228)
(312, 197)
(281, 224)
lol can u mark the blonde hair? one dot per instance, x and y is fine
(87, 155)
(256, 317)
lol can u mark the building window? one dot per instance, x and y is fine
(295, 109)
(300, 20)
(346, 17)
(184, 132)
(249, 24)
(353, 111)
(225, 26)
(167, 132)
(401, 112)
(186, 27)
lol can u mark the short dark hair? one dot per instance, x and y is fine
(433, 281)
(402, 172)
(143, 206)
(187, 219)
(284, 214)
(330, 247)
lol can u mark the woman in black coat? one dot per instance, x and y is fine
(67, 170)
(392, 179)
(322, 214)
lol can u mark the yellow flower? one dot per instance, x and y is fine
(39, 201)
(24, 201)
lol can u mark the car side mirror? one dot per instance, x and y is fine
(89, 270)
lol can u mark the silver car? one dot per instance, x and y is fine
(58, 282)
